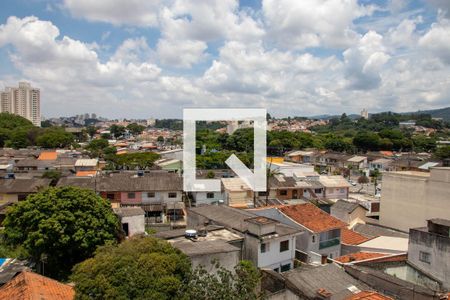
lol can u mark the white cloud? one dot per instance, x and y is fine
(313, 23)
(118, 12)
(443, 5)
(364, 61)
(437, 40)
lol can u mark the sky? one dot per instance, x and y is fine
(152, 58)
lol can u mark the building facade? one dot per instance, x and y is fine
(24, 101)
(411, 198)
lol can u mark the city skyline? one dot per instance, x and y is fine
(299, 58)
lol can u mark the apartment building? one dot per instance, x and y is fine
(410, 198)
(24, 101)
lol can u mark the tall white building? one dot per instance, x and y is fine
(24, 101)
(365, 114)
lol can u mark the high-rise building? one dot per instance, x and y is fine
(365, 114)
(24, 101)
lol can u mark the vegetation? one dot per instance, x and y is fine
(224, 284)
(135, 129)
(54, 175)
(117, 130)
(132, 161)
(139, 268)
(150, 268)
(60, 227)
(18, 132)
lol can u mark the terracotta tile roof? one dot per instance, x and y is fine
(368, 295)
(86, 173)
(350, 237)
(32, 286)
(311, 217)
(48, 155)
(359, 256)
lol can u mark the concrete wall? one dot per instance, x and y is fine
(336, 193)
(202, 199)
(439, 249)
(136, 224)
(228, 260)
(407, 201)
(344, 216)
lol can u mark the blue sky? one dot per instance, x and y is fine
(142, 58)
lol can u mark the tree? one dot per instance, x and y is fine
(63, 224)
(139, 268)
(366, 141)
(442, 152)
(54, 175)
(117, 130)
(55, 138)
(363, 179)
(224, 284)
(91, 131)
(133, 161)
(135, 128)
(160, 139)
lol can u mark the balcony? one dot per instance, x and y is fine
(329, 243)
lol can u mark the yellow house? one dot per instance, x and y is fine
(13, 190)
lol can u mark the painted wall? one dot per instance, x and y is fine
(136, 224)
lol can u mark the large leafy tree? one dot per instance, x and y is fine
(60, 227)
(224, 284)
(139, 268)
(55, 138)
(133, 161)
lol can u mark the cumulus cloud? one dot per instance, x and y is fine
(364, 62)
(118, 12)
(437, 40)
(313, 23)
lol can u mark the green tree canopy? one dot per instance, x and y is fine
(133, 161)
(135, 128)
(117, 130)
(55, 138)
(224, 284)
(140, 268)
(63, 224)
(11, 121)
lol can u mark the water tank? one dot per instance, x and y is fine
(190, 233)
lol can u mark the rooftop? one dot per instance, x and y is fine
(350, 237)
(311, 217)
(336, 181)
(129, 211)
(48, 155)
(359, 256)
(28, 285)
(199, 248)
(235, 184)
(329, 278)
(370, 230)
(83, 162)
(387, 243)
(357, 159)
(346, 205)
(368, 295)
(234, 218)
(29, 185)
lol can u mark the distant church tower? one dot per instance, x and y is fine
(365, 114)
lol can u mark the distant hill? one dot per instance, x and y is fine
(443, 113)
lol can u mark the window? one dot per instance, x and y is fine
(210, 195)
(262, 193)
(313, 238)
(151, 195)
(131, 195)
(285, 268)
(425, 257)
(284, 246)
(265, 247)
(330, 256)
(276, 270)
(317, 191)
(172, 195)
(283, 192)
(110, 196)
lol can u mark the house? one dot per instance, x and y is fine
(411, 198)
(335, 186)
(132, 220)
(48, 155)
(237, 193)
(381, 164)
(288, 168)
(29, 285)
(303, 157)
(314, 282)
(429, 250)
(322, 233)
(267, 242)
(13, 190)
(206, 198)
(348, 212)
(357, 162)
(331, 161)
(84, 164)
(206, 245)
